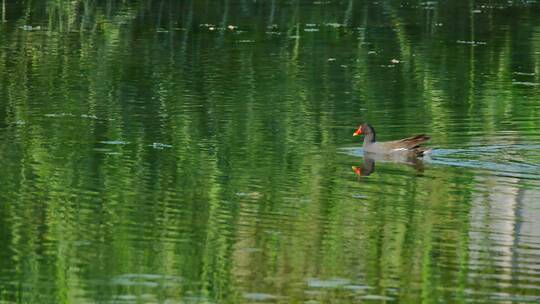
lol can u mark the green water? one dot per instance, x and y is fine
(201, 151)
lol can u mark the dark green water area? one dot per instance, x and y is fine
(202, 152)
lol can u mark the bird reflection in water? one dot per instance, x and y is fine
(368, 166)
(365, 168)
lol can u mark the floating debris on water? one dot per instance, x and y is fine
(336, 25)
(331, 283)
(59, 115)
(232, 27)
(211, 27)
(146, 280)
(89, 116)
(311, 30)
(331, 59)
(160, 146)
(253, 194)
(377, 298)
(525, 83)
(395, 61)
(114, 142)
(31, 28)
(113, 153)
(471, 42)
(359, 196)
(357, 287)
(257, 296)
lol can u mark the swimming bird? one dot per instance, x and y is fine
(409, 146)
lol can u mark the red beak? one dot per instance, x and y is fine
(358, 131)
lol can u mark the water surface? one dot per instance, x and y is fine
(197, 152)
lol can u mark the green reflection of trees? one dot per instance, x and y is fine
(252, 197)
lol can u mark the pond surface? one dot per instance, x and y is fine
(202, 152)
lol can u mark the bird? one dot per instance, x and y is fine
(409, 146)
